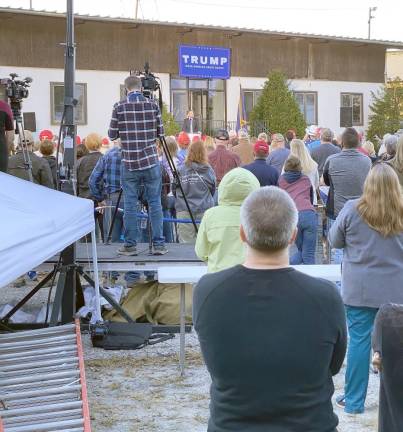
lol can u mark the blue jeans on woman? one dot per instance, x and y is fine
(306, 238)
(132, 181)
(360, 323)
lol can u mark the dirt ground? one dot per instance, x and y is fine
(142, 391)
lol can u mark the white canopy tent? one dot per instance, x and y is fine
(36, 223)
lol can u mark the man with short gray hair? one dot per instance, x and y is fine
(271, 337)
(324, 150)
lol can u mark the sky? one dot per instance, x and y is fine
(328, 17)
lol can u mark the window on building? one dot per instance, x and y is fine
(307, 102)
(57, 103)
(206, 97)
(351, 109)
(250, 98)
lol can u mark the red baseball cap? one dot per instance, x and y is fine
(105, 141)
(45, 134)
(183, 139)
(261, 146)
(78, 140)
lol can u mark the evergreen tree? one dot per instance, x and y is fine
(171, 127)
(277, 107)
(386, 110)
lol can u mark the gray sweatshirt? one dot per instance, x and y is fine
(372, 272)
(345, 173)
(198, 183)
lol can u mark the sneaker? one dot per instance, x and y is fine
(127, 250)
(341, 401)
(160, 249)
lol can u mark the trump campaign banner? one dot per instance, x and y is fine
(204, 62)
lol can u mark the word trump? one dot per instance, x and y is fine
(204, 60)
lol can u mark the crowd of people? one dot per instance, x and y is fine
(251, 198)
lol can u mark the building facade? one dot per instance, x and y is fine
(332, 77)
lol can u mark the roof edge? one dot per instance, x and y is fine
(55, 14)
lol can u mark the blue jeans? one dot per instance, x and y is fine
(360, 322)
(336, 255)
(306, 238)
(131, 182)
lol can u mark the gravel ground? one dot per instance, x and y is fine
(141, 391)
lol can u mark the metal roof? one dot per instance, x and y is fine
(238, 30)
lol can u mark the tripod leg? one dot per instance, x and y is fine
(115, 212)
(21, 303)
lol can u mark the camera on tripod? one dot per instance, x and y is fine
(149, 81)
(16, 89)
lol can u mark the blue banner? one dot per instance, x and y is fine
(204, 62)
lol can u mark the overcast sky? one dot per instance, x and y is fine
(341, 17)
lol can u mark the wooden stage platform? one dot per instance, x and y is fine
(108, 258)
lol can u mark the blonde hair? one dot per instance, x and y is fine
(397, 161)
(172, 145)
(298, 148)
(209, 144)
(369, 147)
(93, 141)
(381, 204)
(196, 153)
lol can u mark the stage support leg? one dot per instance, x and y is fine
(182, 330)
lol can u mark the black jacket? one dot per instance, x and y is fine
(186, 125)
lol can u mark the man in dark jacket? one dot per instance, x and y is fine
(41, 172)
(271, 336)
(190, 123)
(266, 174)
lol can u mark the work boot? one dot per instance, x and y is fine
(127, 250)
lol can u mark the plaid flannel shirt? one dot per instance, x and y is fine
(137, 122)
(105, 178)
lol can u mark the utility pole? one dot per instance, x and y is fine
(370, 17)
(136, 9)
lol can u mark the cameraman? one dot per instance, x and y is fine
(6, 134)
(137, 122)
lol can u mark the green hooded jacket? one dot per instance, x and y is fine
(218, 242)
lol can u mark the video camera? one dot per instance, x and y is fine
(16, 90)
(149, 81)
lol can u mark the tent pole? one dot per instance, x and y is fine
(96, 277)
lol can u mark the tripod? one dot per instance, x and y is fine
(19, 130)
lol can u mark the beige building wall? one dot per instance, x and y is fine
(394, 64)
